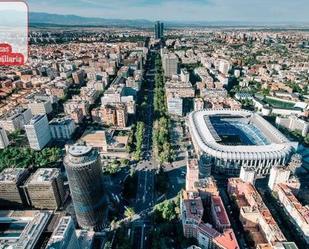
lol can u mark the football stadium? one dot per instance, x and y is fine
(226, 140)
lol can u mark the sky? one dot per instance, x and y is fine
(282, 11)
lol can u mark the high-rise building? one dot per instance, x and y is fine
(40, 107)
(45, 189)
(86, 184)
(79, 77)
(64, 236)
(38, 132)
(4, 141)
(159, 30)
(170, 64)
(11, 193)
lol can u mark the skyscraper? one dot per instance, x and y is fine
(170, 64)
(159, 30)
(86, 185)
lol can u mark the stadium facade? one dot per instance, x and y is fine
(227, 140)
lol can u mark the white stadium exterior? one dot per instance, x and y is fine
(258, 143)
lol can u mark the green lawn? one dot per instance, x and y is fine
(278, 103)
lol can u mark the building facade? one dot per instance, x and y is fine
(86, 185)
(62, 128)
(45, 189)
(40, 107)
(4, 141)
(170, 64)
(159, 30)
(64, 235)
(11, 192)
(38, 132)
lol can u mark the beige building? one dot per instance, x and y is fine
(114, 114)
(192, 175)
(45, 189)
(95, 139)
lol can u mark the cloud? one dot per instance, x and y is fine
(181, 10)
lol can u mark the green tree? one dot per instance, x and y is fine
(166, 210)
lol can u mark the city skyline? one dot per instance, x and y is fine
(182, 11)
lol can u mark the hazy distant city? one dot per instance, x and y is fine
(124, 132)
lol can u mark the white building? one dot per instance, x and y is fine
(294, 123)
(16, 120)
(198, 104)
(247, 174)
(184, 75)
(38, 132)
(174, 106)
(64, 236)
(4, 141)
(237, 73)
(62, 128)
(278, 175)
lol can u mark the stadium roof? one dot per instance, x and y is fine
(203, 135)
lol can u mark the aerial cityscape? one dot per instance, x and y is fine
(154, 125)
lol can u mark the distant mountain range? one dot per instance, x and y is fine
(46, 19)
(73, 20)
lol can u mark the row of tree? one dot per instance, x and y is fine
(139, 133)
(20, 157)
(161, 143)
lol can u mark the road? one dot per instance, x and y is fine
(146, 168)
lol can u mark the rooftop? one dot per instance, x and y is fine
(227, 240)
(249, 201)
(79, 150)
(44, 175)
(12, 175)
(253, 134)
(36, 119)
(221, 214)
(61, 121)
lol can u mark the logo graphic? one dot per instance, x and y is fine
(8, 58)
(13, 33)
